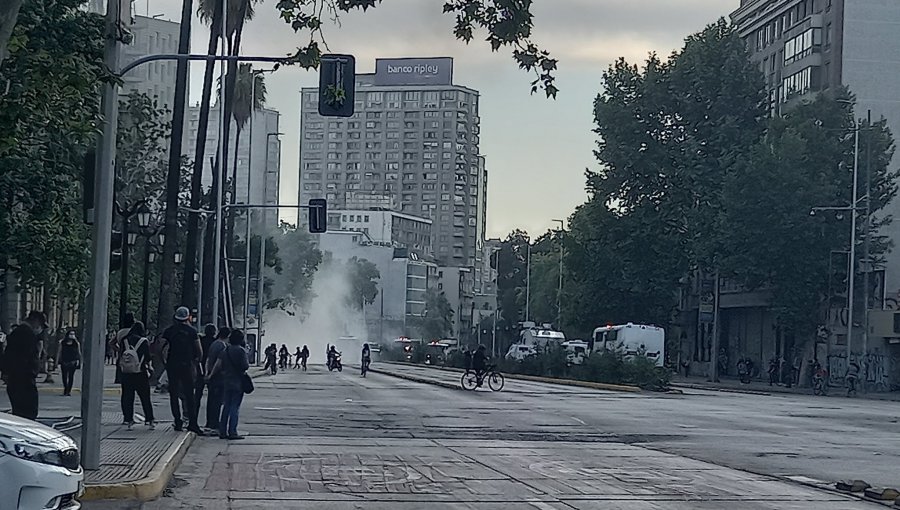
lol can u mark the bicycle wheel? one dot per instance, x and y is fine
(468, 381)
(496, 381)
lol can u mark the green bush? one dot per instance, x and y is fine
(614, 368)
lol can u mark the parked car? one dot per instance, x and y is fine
(40, 466)
(576, 351)
(519, 352)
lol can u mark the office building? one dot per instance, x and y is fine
(384, 227)
(456, 285)
(413, 142)
(258, 171)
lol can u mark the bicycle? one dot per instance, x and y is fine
(470, 380)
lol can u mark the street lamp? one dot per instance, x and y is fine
(198, 276)
(262, 254)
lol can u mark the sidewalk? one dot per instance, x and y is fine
(763, 388)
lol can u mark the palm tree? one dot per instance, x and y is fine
(210, 11)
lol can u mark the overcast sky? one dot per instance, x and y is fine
(537, 149)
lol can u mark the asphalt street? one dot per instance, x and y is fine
(339, 441)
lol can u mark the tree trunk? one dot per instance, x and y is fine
(189, 287)
(9, 13)
(173, 176)
(220, 169)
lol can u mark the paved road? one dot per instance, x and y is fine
(338, 441)
(826, 438)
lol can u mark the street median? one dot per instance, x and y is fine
(521, 377)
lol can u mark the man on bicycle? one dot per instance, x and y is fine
(479, 363)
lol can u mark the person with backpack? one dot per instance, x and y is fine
(134, 368)
(214, 382)
(182, 352)
(233, 365)
(69, 356)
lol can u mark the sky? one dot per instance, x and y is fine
(537, 149)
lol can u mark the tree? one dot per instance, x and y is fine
(9, 11)
(364, 276)
(141, 159)
(48, 118)
(297, 260)
(804, 161)
(437, 323)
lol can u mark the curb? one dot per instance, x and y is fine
(547, 380)
(417, 379)
(729, 390)
(149, 487)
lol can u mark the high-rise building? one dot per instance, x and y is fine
(260, 169)
(413, 142)
(151, 36)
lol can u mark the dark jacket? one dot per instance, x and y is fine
(22, 356)
(234, 365)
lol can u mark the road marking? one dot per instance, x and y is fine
(579, 421)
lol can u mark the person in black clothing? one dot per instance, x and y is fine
(283, 354)
(206, 340)
(304, 357)
(479, 363)
(182, 352)
(136, 379)
(69, 356)
(21, 364)
(214, 382)
(271, 363)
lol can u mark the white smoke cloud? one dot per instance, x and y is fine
(326, 320)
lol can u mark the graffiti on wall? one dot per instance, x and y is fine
(874, 368)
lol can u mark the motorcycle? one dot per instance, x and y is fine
(335, 363)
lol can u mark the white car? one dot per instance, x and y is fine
(519, 352)
(40, 467)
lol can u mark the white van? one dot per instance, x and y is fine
(631, 339)
(576, 351)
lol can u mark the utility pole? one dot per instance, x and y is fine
(496, 303)
(223, 160)
(562, 226)
(262, 247)
(97, 302)
(868, 238)
(714, 372)
(528, 284)
(852, 274)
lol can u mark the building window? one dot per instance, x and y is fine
(802, 45)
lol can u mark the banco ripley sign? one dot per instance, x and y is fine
(414, 71)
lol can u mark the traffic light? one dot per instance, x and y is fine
(337, 85)
(318, 216)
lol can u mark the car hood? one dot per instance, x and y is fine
(33, 432)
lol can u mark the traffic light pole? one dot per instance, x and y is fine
(97, 302)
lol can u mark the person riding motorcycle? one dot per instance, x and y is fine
(332, 355)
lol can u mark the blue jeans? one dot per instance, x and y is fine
(231, 408)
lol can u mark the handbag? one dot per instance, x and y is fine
(246, 380)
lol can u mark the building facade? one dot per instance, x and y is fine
(391, 228)
(456, 285)
(258, 175)
(413, 142)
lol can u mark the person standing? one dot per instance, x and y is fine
(134, 363)
(214, 382)
(21, 364)
(182, 352)
(304, 357)
(69, 356)
(283, 357)
(365, 359)
(271, 362)
(206, 340)
(233, 364)
(297, 355)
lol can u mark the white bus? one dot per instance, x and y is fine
(631, 339)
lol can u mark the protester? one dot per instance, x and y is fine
(304, 357)
(69, 357)
(134, 364)
(21, 364)
(206, 340)
(271, 363)
(233, 364)
(365, 359)
(283, 357)
(297, 355)
(182, 354)
(215, 383)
